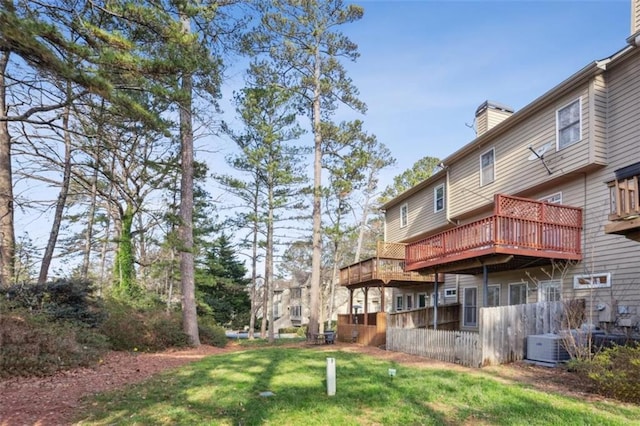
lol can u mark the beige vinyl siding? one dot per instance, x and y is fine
(602, 253)
(624, 113)
(610, 105)
(614, 253)
(514, 172)
(598, 128)
(489, 119)
(496, 117)
(421, 215)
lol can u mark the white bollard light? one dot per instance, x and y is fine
(331, 376)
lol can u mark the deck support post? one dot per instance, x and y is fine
(435, 301)
(366, 306)
(350, 306)
(485, 286)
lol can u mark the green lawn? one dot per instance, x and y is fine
(225, 390)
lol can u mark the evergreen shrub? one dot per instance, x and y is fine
(131, 328)
(60, 300)
(32, 345)
(211, 333)
(615, 372)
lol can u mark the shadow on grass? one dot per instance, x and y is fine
(226, 389)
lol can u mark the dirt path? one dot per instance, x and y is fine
(53, 400)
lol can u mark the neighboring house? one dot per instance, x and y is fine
(542, 205)
(291, 303)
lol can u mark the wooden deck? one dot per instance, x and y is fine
(520, 230)
(625, 207)
(388, 266)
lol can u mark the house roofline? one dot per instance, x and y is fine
(416, 188)
(592, 69)
(585, 74)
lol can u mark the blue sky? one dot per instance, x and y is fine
(425, 66)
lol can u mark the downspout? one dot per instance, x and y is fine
(584, 216)
(446, 196)
(384, 225)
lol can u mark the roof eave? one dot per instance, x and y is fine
(592, 69)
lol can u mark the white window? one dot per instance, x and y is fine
(552, 198)
(569, 124)
(409, 301)
(549, 291)
(592, 281)
(450, 292)
(438, 198)
(487, 167)
(422, 300)
(399, 303)
(296, 311)
(493, 295)
(517, 293)
(470, 304)
(404, 215)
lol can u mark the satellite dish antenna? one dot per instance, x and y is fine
(538, 154)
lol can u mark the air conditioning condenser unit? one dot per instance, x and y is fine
(546, 348)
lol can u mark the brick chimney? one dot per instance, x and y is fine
(490, 114)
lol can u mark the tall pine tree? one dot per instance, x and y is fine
(302, 41)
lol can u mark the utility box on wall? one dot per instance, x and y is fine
(605, 313)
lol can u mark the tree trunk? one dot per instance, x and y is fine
(314, 304)
(187, 273)
(254, 257)
(124, 271)
(254, 279)
(363, 219)
(7, 233)
(169, 277)
(142, 250)
(105, 249)
(88, 233)
(254, 264)
(332, 290)
(265, 305)
(62, 196)
(268, 269)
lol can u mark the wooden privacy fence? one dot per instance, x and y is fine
(501, 337)
(448, 318)
(460, 347)
(504, 329)
(351, 328)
